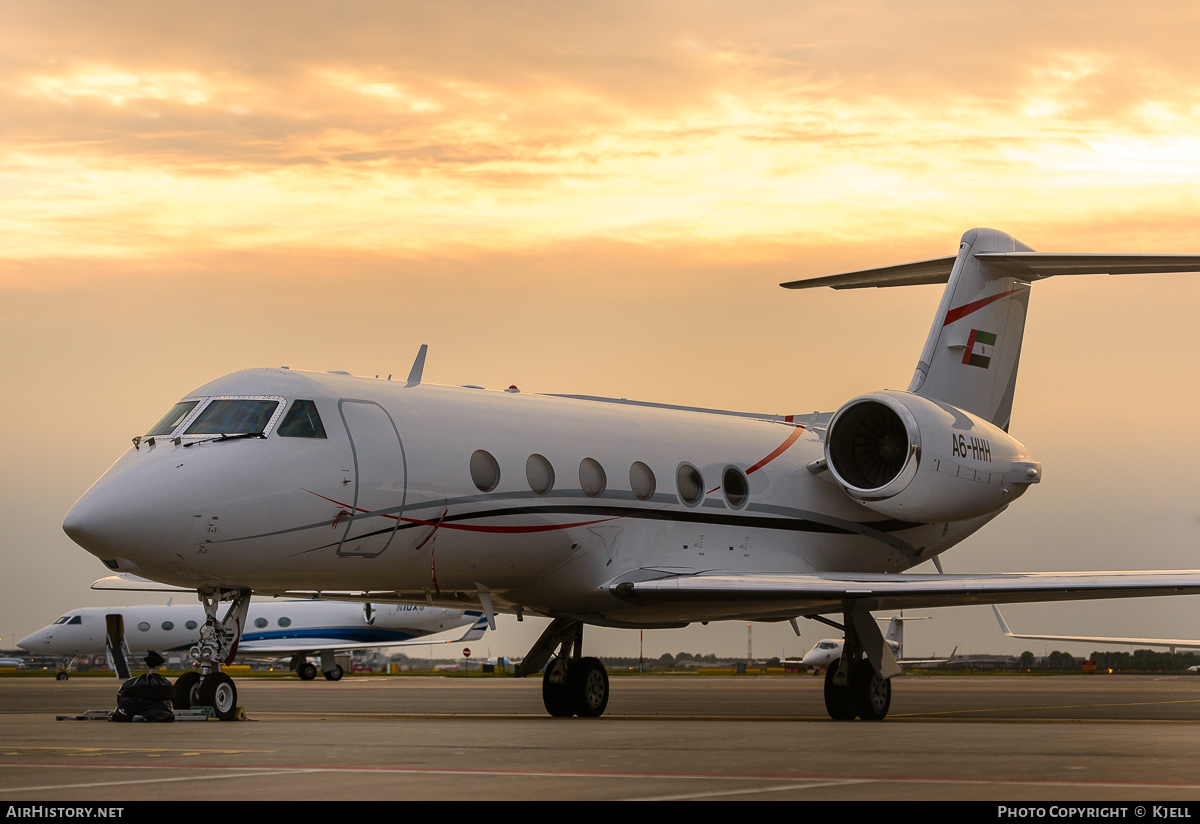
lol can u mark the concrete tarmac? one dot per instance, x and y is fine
(1001, 738)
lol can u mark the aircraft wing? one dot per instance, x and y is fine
(1091, 639)
(291, 646)
(812, 594)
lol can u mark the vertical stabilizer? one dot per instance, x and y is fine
(971, 356)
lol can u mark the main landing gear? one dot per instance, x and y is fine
(854, 687)
(572, 684)
(308, 671)
(217, 645)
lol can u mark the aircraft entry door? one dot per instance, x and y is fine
(380, 477)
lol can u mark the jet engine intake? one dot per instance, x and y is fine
(921, 460)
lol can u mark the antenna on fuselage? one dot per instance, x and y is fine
(414, 375)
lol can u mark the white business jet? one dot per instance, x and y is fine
(828, 650)
(606, 511)
(295, 629)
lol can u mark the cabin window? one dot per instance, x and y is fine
(190, 625)
(233, 417)
(168, 626)
(736, 486)
(285, 622)
(485, 472)
(172, 419)
(260, 622)
(592, 477)
(641, 481)
(144, 626)
(690, 483)
(540, 474)
(301, 421)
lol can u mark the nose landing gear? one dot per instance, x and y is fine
(217, 645)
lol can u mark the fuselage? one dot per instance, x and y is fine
(434, 493)
(177, 627)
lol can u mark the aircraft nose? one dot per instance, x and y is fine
(30, 641)
(128, 518)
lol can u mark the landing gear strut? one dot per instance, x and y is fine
(572, 684)
(217, 645)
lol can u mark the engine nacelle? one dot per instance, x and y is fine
(921, 460)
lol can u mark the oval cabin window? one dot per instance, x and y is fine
(485, 472)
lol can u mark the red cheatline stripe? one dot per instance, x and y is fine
(779, 450)
(966, 309)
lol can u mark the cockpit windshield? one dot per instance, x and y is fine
(233, 417)
(173, 418)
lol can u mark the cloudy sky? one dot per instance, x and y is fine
(579, 197)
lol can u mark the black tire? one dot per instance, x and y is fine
(587, 684)
(871, 692)
(556, 697)
(218, 691)
(335, 674)
(838, 701)
(184, 697)
(62, 676)
(307, 671)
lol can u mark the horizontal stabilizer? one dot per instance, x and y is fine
(904, 274)
(1028, 266)
(1040, 265)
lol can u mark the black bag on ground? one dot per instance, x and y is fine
(147, 695)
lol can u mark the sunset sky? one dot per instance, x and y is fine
(602, 197)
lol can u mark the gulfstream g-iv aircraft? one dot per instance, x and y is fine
(608, 512)
(292, 629)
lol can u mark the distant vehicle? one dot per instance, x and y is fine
(1171, 643)
(11, 662)
(293, 628)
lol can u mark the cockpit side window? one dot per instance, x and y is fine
(75, 620)
(233, 417)
(301, 421)
(173, 418)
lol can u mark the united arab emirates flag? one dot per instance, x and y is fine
(979, 349)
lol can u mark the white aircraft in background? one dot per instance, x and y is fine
(1171, 643)
(606, 511)
(828, 650)
(296, 629)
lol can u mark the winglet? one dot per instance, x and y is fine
(1003, 624)
(414, 375)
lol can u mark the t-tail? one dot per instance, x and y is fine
(973, 350)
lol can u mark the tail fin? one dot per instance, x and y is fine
(974, 347)
(971, 355)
